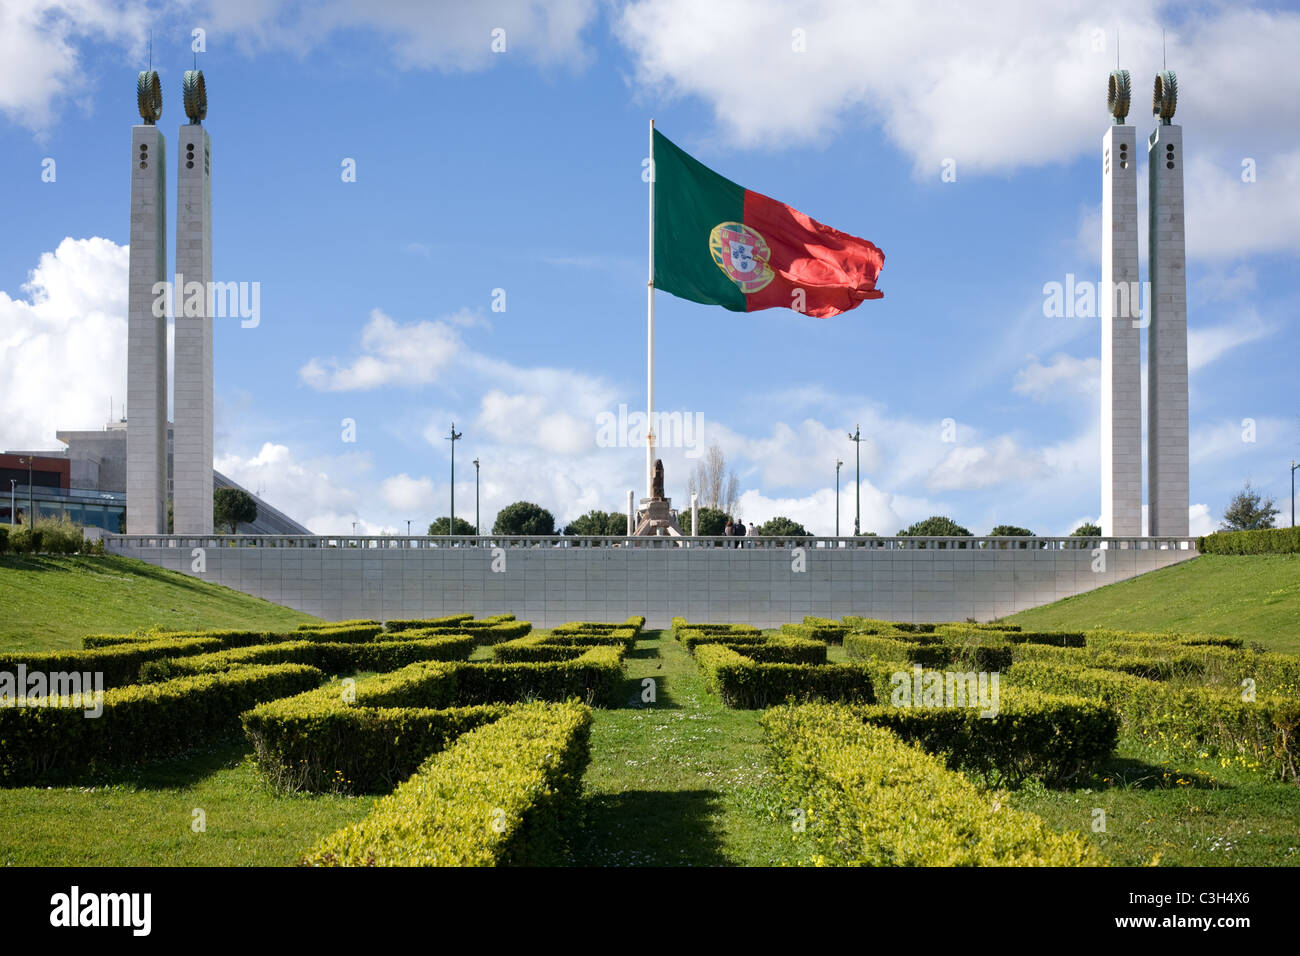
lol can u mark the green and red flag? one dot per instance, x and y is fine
(721, 244)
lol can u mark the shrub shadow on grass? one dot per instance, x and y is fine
(650, 828)
(169, 773)
(1129, 773)
(629, 697)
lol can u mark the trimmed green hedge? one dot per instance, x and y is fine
(508, 793)
(451, 620)
(1050, 738)
(871, 799)
(1183, 719)
(742, 682)
(141, 722)
(491, 634)
(120, 665)
(316, 742)
(984, 657)
(233, 638)
(355, 622)
(1263, 541)
(817, 629)
(330, 658)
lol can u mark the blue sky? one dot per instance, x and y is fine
(521, 171)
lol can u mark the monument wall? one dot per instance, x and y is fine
(895, 579)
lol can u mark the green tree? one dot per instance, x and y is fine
(232, 507)
(782, 527)
(711, 521)
(597, 522)
(1086, 530)
(440, 526)
(1248, 511)
(524, 517)
(935, 526)
(1010, 531)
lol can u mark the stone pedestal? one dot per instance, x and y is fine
(656, 517)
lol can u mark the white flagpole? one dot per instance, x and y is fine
(650, 333)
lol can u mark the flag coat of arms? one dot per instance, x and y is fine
(721, 244)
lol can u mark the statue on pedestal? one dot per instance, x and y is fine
(656, 516)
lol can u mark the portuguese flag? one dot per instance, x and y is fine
(721, 244)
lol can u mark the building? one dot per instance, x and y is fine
(86, 481)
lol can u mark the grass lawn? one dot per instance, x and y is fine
(683, 781)
(1254, 597)
(145, 817)
(49, 603)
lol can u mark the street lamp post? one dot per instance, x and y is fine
(477, 530)
(1294, 466)
(856, 438)
(451, 521)
(838, 463)
(13, 501)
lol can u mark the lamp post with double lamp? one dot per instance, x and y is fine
(451, 521)
(477, 531)
(856, 438)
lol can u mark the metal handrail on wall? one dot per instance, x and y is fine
(748, 542)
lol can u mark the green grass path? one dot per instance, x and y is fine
(682, 781)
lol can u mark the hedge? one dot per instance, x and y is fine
(508, 793)
(120, 665)
(692, 637)
(355, 622)
(1050, 738)
(1263, 541)
(451, 620)
(745, 683)
(1185, 719)
(562, 646)
(234, 638)
(491, 634)
(1055, 638)
(595, 677)
(139, 723)
(681, 624)
(984, 657)
(870, 799)
(316, 742)
(817, 629)
(329, 657)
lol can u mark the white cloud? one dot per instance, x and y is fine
(1200, 521)
(404, 493)
(1063, 377)
(816, 512)
(40, 60)
(447, 36)
(64, 347)
(981, 466)
(998, 86)
(1205, 345)
(393, 354)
